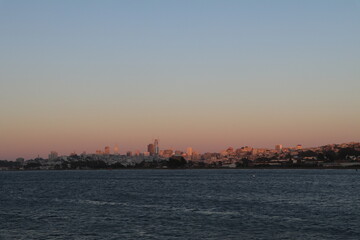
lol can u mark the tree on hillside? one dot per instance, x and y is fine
(176, 162)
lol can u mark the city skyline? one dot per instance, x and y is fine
(207, 74)
(149, 150)
(341, 155)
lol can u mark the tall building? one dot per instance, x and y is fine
(195, 156)
(298, 147)
(53, 155)
(151, 149)
(116, 150)
(278, 147)
(189, 151)
(107, 150)
(156, 147)
(137, 153)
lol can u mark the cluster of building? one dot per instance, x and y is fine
(332, 155)
(153, 150)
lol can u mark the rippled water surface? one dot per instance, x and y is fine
(180, 204)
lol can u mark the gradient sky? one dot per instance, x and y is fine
(80, 75)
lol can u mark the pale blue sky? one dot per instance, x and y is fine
(135, 70)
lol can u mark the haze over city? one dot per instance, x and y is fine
(81, 75)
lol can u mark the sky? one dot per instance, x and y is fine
(82, 75)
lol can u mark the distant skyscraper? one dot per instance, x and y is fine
(278, 147)
(116, 149)
(107, 150)
(53, 155)
(156, 147)
(189, 151)
(151, 149)
(136, 153)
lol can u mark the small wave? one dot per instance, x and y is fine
(88, 201)
(224, 213)
(100, 203)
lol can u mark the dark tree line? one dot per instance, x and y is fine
(9, 164)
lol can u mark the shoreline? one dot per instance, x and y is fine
(171, 169)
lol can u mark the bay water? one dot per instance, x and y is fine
(180, 204)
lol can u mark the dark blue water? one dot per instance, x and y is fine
(180, 204)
